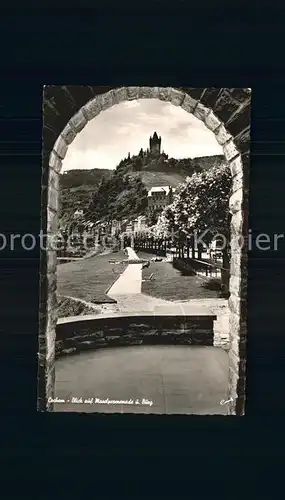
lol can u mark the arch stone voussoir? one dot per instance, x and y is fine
(237, 182)
(120, 95)
(238, 344)
(133, 93)
(237, 223)
(236, 166)
(222, 135)
(236, 284)
(53, 197)
(53, 179)
(164, 93)
(51, 221)
(93, 108)
(176, 97)
(236, 201)
(212, 122)
(55, 162)
(78, 121)
(69, 133)
(189, 104)
(230, 151)
(107, 100)
(60, 147)
(201, 112)
(236, 263)
(235, 304)
(149, 93)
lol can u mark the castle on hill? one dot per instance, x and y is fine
(154, 149)
(155, 145)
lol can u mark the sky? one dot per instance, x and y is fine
(126, 127)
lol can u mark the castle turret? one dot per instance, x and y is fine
(155, 144)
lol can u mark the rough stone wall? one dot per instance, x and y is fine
(74, 336)
(224, 111)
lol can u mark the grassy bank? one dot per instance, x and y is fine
(69, 307)
(90, 278)
(169, 284)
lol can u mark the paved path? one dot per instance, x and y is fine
(176, 379)
(129, 282)
(132, 254)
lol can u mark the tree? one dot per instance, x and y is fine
(165, 223)
(152, 217)
(138, 164)
(121, 196)
(201, 204)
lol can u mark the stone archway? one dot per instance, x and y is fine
(226, 112)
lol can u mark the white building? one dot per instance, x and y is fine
(159, 197)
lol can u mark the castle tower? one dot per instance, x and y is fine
(155, 144)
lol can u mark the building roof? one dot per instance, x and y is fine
(159, 189)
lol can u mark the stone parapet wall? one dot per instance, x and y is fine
(74, 335)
